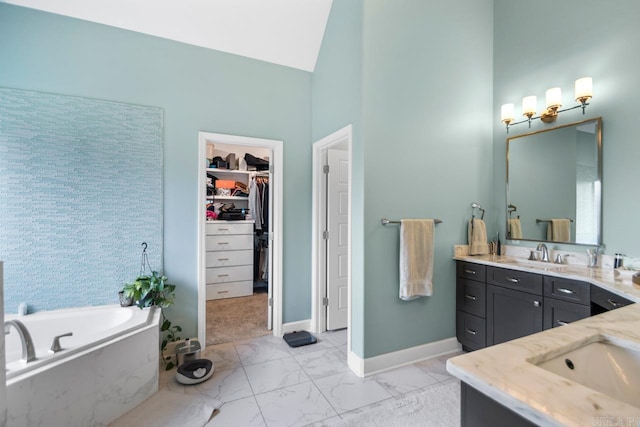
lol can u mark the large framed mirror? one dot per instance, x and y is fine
(554, 184)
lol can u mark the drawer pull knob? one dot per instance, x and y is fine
(471, 297)
(470, 271)
(536, 303)
(223, 275)
(471, 331)
(223, 292)
(565, 291)
(613, 303)
(512, 280)
(561, 323)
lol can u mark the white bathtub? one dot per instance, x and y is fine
(107, 367)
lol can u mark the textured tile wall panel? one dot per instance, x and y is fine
(80, 190)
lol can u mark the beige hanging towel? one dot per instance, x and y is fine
(477, 234)
(416, 258)
(515, 229)
(559, 230)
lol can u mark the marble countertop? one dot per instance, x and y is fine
(506, 372)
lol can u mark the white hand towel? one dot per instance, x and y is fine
(416, 258)
(477, 233)
(559, 230)
(515, 229)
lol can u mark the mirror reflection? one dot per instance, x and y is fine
(554, 184)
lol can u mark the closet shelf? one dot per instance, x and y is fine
(239, 172)
(227, 198)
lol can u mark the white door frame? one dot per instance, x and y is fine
(276, 148)
(318, 270)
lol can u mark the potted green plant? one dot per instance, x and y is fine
(155, 290)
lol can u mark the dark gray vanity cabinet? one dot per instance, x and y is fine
(514, 304)
(471, 305)
(565, 301)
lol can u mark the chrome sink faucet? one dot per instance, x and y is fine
(28, 350)
(545, 252)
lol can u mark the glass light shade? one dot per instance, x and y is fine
(507, 113)
(554, 97)
(529, 104)
(584, 88)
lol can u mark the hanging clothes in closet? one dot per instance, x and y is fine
(259, 209)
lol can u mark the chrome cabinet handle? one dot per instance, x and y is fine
(561, 323)
(536, 303)
(223, 259)
(471, 297)
(565, 291)
(613, 303)
(471, 331)
(223, 243)
(223, 229)
(223, 292)
(512, 280)
(470, 271)
(223, 275)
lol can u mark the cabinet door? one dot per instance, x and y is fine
(511, 314)
(559, 313)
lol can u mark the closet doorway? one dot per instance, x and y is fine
(239, 237)
(331, 266)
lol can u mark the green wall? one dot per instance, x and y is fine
(199, 90)
(553, 44)
(422, 147)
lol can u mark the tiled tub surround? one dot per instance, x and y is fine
(507, 372)
(93, 383)
(3, 389)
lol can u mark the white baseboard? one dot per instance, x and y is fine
(301, 325)
(384, 362)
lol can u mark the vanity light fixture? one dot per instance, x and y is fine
(583, 94)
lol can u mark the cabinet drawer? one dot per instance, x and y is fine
(218, 228)
(229, 274)
(567, 290)
(606, 300)
(469, 270)
(470, 331)
(229, 290)
(559, 313)
(229, 243)
(471, 297)
(514, 279)
(229, 258)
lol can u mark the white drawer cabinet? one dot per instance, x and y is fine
(229, 259)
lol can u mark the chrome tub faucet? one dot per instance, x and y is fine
(28, 350)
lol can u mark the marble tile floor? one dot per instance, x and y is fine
(264, 382)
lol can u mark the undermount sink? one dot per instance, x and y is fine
(547, 266)
(610, 368)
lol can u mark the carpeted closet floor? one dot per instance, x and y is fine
(234, 319)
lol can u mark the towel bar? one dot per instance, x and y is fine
(385, 221)
(538, 221)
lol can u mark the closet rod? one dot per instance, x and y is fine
(385, 221)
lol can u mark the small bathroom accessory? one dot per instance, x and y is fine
(477, 232)
(192, 369)
(593, 257)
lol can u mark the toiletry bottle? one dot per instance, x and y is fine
(498, 245)
(617, 262)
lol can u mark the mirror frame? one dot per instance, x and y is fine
(598, 195)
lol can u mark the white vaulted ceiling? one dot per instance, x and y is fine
(284, 32)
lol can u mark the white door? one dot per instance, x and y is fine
(270, 252)
(338, 235)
